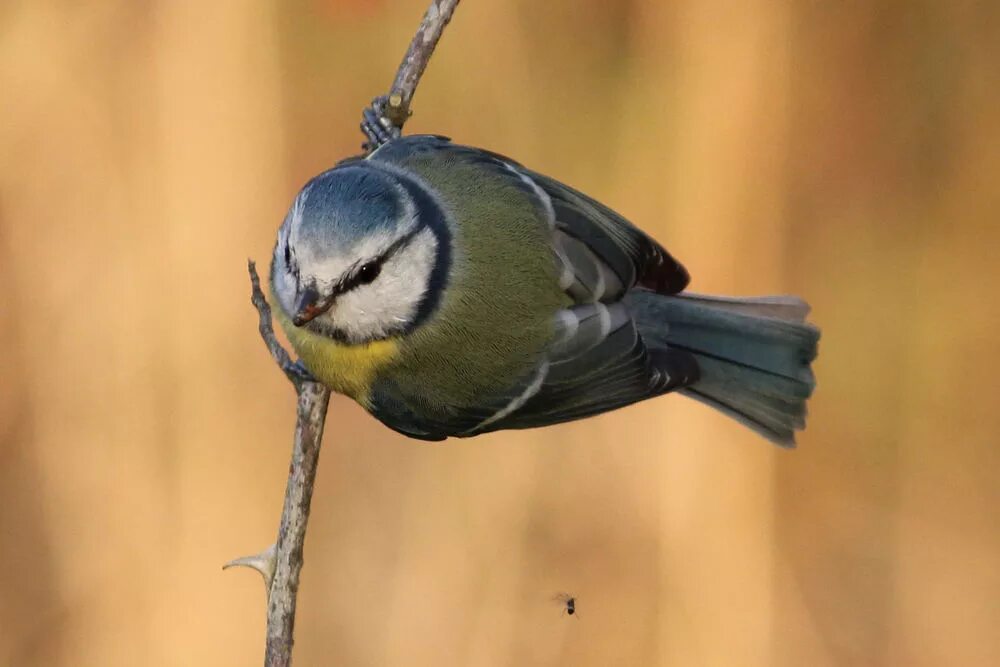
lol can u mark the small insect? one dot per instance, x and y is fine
(568, 602)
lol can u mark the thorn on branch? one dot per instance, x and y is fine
(264, 562)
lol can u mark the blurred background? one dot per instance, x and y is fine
(847, 152)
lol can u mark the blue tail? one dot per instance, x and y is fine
(753, 354)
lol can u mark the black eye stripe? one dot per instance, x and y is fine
(399, 244)
(363, 274)
(367, 272)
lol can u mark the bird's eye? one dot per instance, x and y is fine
(368, 272)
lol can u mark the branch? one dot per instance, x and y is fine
(385, 118)
(281, 563)
(415, 61)
(313, 401)
(293, 371)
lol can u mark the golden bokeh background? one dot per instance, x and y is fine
(847, 152)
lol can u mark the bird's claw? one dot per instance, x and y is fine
(299, 373)
(376, 126)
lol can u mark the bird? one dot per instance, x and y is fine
(452, 292)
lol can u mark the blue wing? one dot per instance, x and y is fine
(598, 363)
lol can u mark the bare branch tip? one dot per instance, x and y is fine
(296, 373)
(256, 294)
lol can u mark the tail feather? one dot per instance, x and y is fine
(753, 354)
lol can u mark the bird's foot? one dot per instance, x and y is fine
(299, 373)
(376, 124)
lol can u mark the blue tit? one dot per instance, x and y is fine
(451, 292)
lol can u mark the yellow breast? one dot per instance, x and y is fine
(347, 369)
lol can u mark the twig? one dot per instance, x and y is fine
(281, 563)
(385, 118)
(313, 401)
(293, 371)
(415, 61)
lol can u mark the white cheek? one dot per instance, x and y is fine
(391, 302)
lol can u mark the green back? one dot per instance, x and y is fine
(496, 315)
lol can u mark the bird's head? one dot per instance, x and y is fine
(359, 255)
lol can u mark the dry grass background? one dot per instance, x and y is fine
(848, 152)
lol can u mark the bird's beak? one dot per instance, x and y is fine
(310, 305)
